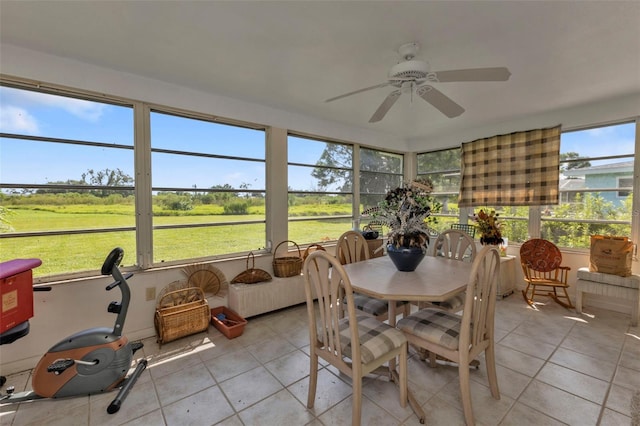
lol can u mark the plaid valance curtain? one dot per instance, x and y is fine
(518, 169)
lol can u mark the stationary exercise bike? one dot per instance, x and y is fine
(91, 361)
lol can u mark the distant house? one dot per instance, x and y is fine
(613, 175)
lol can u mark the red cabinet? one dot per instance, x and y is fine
(16, 282)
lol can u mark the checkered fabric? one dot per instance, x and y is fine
(454, 303)
(433, 325)
(373, 306)
(518, 169)
(376, 338)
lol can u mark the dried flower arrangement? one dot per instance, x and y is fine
(489, 227)
(406, 211)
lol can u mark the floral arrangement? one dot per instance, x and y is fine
(406, 211)
(490, 228)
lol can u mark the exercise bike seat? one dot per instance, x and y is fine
(15, 333)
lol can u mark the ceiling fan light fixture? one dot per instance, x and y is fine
(413, 69)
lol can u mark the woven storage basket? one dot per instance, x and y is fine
(174, 322)
(311, 249)
(251, 275)
(287, 266)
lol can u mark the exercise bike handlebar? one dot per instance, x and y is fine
(110, 267)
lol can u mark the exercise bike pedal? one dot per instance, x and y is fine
(136, 346)
(60, 366)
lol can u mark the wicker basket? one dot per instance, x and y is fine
(251, 275)
(287, 266)
(311, 249)
(174, 322)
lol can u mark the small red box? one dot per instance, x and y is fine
(232, 326)
(16, 290)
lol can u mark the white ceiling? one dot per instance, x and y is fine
(292, 55)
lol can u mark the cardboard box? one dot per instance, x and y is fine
(233, 324)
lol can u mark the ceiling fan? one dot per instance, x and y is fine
(413, 75)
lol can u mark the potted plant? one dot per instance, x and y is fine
(489, 227)
(406, 211)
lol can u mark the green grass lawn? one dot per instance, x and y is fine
(81, 252)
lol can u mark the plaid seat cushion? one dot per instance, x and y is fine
(433, 325)
(376, 338)
(454, 303)
(373, 306)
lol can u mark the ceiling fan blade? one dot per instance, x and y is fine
(385, 106)
(359, 91)
(440, 101)
(474, 74)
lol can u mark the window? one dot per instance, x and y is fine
(596, 189)
(320, 176)
(625, 182)
(67, 184)
(594, 164)
(380, 172)
(443, 168)
(208, 186)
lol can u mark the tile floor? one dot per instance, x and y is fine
(554, 367)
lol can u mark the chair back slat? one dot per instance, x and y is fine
(324, 274)
(477, 322)
(469, 229)
(455, 244)
(352, 247)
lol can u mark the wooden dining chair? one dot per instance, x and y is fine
(464, 227)
(357, 344)
(541, 266)
(352, 247)
(461, 338)
(457, 245)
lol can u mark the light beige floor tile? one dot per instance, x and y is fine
(279, 409)
(519, 361)
(627, 378)
(231, 364)
(560, 405)
(613, 418)
(585, 364)
(619, 399)
(231, 421)
(270, 349)
(521, 414)
(250, 387)
(329, 391)
(592, 348)
(203, 408)
(67, 412)
(530, 345)
(438, 413)
(183, 383)
(386, 394)
(510, 382)
(142, 399)
(154, 418)
(289, 368)
(372, 415)
(549, 333)
(574, 382)
(486, 409)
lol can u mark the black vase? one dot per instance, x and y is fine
(406, 259)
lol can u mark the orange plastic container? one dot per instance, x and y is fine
(233, 324)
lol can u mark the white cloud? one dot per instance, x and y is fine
(86, 110)
(17, 120)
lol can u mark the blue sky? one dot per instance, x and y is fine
(39, 114)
